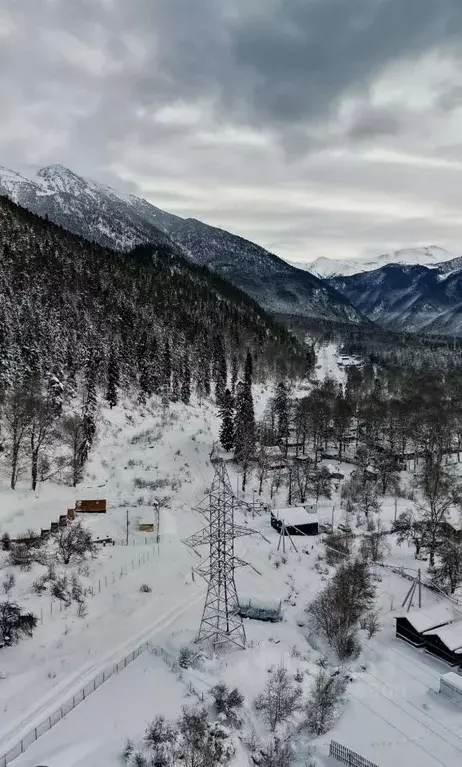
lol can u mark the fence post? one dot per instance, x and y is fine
(99, 587)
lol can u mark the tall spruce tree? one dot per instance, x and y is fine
(113, 379)
(166, 370)
(234, 373)
(244, 428)
(248, 370)
(220, 372)
(281, 410)
(227, 421)
(186, 382)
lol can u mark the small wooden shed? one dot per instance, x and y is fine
(446, 643)
(296, 520)
(146, 525)
(412, 626)
(91, 506)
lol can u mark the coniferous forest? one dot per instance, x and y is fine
(77, 320)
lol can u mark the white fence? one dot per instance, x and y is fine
(345, 755)
(69, 705)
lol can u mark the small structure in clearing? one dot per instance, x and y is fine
(146, 525)
(412, 626)
(451, 686)
(296, 520)
(91, 506)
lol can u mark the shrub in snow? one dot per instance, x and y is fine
(14, 624)
(139, 760)
(9, 583)
(186, 657)
(60, 589)
(73, 542)
(76, 589)
(227, 702)
(6, 542)
(40, 585)
(325, 695)
(370, 623)
(82, 609)
(276, 753)
(145, 588)
(280, 699)
(21, 556)
(128, 750)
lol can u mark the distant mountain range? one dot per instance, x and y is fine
(431, 257)
(109, 218)
(409, 298)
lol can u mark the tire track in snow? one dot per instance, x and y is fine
(71, 686)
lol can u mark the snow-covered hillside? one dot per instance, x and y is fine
(430, 256)
(392, 713)
(103, 215)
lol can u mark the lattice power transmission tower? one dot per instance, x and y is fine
(220, 622)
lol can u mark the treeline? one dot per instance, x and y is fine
(78, 321)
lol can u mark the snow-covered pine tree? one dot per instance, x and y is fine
(113, 379)
(227, 421)
(234, 373)
(244, 428)
(185, 393)
(166, 368)
(220, 373)
(248, 370)
(281, 410)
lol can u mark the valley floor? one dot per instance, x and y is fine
(393, 713)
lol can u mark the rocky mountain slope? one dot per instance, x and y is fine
(409, 298)
(108, 218)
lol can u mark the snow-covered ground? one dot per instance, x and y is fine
(393, 715)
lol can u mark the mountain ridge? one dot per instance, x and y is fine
(103, 215)
(409, 298)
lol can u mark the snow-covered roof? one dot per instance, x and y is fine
(293, 516)
(334, 469)
(450, 635)
(371, 469)
(453, 679)
(429, 618)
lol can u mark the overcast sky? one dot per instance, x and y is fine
(314, 127)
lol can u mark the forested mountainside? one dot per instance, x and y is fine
(409, 298)
(102, 215)
(149, 320)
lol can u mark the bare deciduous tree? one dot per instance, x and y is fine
(73, 542)
(281, 697)
(17, 416)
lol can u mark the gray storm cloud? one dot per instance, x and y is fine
(203, 106)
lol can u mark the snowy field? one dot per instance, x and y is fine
(394, 714)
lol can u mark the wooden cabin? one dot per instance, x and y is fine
(446, 643)
(412, 626)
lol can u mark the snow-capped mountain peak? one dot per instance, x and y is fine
(431, 256)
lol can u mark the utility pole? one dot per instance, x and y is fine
(333, 512)
(290, 486)
(420, 588)
(128, 525)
